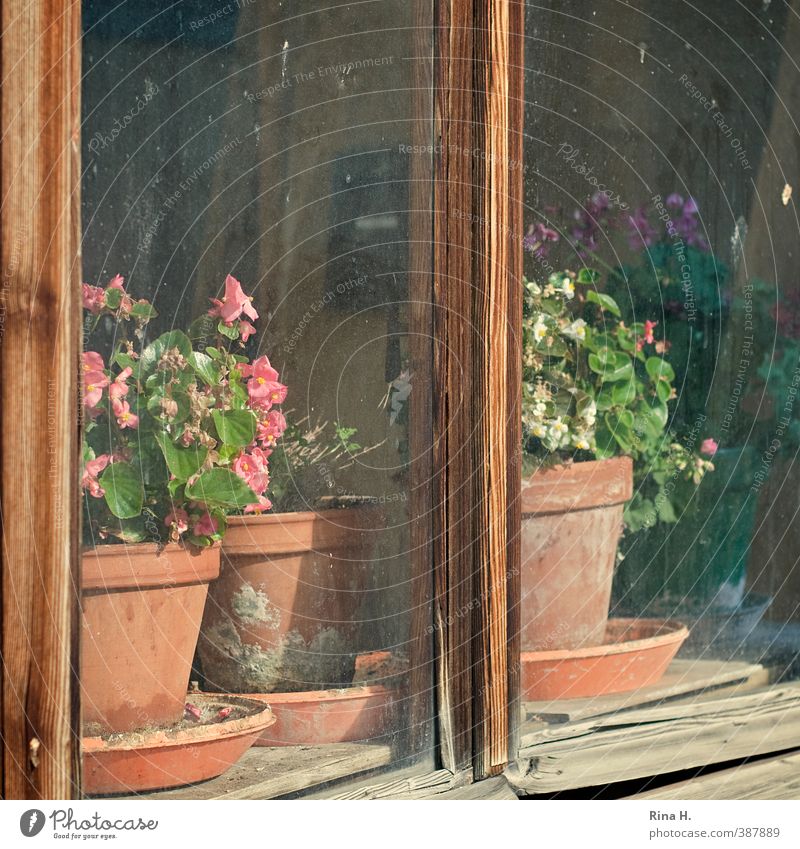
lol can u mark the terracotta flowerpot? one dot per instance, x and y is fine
(142, 609)
(571, 525)
(155, 760)
(282, 616)
(635, 653)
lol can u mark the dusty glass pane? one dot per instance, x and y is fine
(661, 152)
(287, 149)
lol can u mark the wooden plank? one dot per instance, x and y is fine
(267, 773)
(420, 431)
(496, 379)
(405, 784)
(453, 399)
(682, 677)
(438, 785)
(516, 194)
(39, 348)
(491, 789)
(772, 778)
(658, 740)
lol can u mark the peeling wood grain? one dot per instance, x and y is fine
(39, 347)
(772, 778)
(267, 773)
(659, 740)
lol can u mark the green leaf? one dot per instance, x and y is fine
(605, 302)
(606, 444)
(201, 327)
(204, 367)
(113, 298)
(605, 398)
(616, 366)
(621, 427)
(663, 390)
(182, 462)
(659, 369)
(125, 360)
(665, 510)
(156, 350)
(624, 393)
(230, 332)
(143, 311)
(221, 488)
(124, 492)
(235, 427)
(587, 276)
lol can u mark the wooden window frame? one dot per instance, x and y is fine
(474, 386)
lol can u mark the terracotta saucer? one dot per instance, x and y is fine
(635, 653)
(182, 754)
(328, 716)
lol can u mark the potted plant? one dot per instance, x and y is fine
(595, 403)
(281, 619)
(171, 443)
(699, 564)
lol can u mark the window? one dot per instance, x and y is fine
(237, 152)
(659, 159)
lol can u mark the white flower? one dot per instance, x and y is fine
(539, 328)
(538, 430)
(558, 430)
(539, 408)
(576, 330)
(568, 288)
(580, 441)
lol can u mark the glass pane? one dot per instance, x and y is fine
(661, 153)
(260, 177)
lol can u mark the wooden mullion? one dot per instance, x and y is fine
(516, 120)
(477, 319)
(453, 531)
(39, 347)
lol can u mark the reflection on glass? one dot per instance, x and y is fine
(260, 179)
(660, 144)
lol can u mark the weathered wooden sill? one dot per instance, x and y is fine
(607, 742)
(267, 773)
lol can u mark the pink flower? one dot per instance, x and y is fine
(94, 378)
(271, 428)
(205, 526)
(125, 418)
(252, 468)
(93, 298)
(262, 505)
(649, 327)
(126, 304)
(90, 473)
(709, 447)
(192, 712)
(119, 388)
(259, 368)
(264, 393)
(246, 329)
(179, 519)
(233, 304)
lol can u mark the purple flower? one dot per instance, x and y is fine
(640, 230)
(690, 207)
(674, 201)
(537, 237)
(589, 223)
